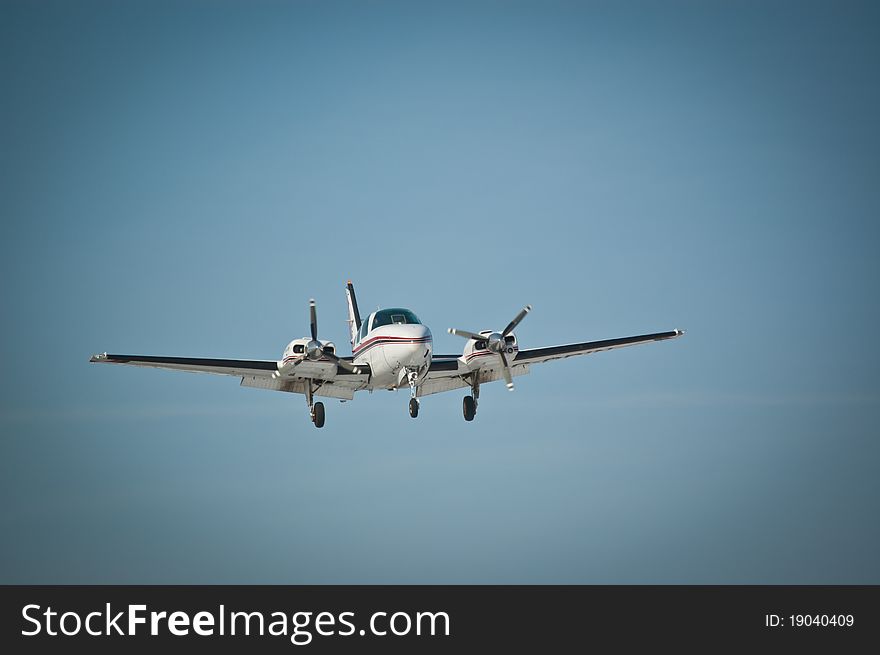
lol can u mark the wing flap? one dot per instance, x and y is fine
(341, 390)
(447, 381)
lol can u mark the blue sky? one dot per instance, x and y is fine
(180, 178)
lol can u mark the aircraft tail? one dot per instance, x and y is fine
(354, 316)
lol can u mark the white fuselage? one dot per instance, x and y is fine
(392, 351)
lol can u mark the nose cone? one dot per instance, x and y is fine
(407, 346)
(405, 330)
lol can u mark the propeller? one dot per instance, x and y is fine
(314, 348)
(495, 342)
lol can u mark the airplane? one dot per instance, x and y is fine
(391, 349)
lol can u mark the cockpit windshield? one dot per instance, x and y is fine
(394, 315)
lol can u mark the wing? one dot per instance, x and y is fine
(538, 355)
(448, 372)
(445, 377)
(236, 367)
(263, 374)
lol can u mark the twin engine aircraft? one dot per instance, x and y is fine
(391, 349)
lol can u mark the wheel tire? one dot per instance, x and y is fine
(319, 415)
(413, 407)
(469, 408)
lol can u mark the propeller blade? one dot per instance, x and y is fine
(348, 366)
(516, 321)
(508, 378)
(466, 334)
(314, 316)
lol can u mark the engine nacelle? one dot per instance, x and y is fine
(298, 348)
(478, 352)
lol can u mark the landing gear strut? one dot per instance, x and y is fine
(316, 409)
(469, 405)
(412, 377)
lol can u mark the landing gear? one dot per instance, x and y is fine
(316, 410)
(469, 408)
(318, 415)
(469, 405)
(412, 377)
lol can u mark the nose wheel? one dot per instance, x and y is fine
(412, 377)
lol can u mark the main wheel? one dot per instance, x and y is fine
(469, 408)
(319, 415)
(413, 407)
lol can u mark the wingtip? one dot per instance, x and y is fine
(678, 333)
(98, 358)
(509, 386)
(451, 330)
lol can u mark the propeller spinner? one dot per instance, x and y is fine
(495, 342)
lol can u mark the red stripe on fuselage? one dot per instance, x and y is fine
(389, 339)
